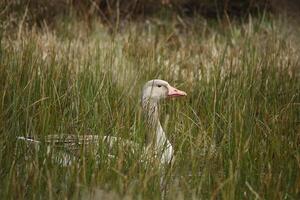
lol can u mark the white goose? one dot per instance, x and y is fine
(153, 91)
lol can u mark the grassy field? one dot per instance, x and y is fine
(242, 80)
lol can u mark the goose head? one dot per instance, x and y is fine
(155, 90)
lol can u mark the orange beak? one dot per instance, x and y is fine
(173, 92)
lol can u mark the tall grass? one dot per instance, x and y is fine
(243, 86)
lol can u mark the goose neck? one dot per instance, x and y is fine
(156, 138)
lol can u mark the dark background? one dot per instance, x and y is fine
(38, 12)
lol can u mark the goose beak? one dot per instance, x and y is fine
(173, 92)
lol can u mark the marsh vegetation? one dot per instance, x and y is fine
(242, 80)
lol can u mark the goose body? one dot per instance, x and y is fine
(153, 92)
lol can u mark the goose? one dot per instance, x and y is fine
(153, 92)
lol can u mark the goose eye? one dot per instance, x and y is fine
(158, 85)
